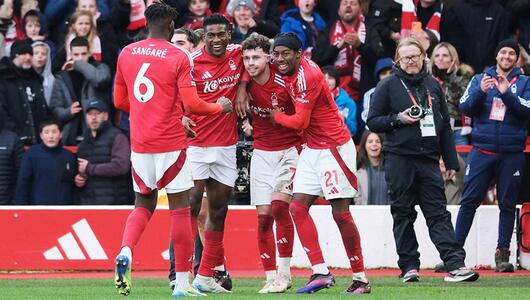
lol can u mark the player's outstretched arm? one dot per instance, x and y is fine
(195, 105)
(121, 101)
(298, 121)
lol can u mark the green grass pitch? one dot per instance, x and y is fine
(512, 287)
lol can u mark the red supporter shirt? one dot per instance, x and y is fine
(263, 98)
(153, 70)
(308, 88)
(217, 77)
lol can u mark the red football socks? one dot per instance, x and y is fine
(135, 226)
(181, 238)
(284, 228)
(351, 240)
(213, 246)
(267, 249)
(307, 232)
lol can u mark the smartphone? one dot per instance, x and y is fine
(416, 27)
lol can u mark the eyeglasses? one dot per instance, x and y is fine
(408, 59)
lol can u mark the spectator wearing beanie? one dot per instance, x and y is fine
(246, 22)
(498, 100)
(21, 93)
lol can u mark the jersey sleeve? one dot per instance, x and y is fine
(305, 97)
(184, 71)
(121, 100)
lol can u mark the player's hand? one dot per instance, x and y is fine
(272, 113)
(242, 106)
(79, 181)
(486, 83)
(226, 104)
(405, 118)
(75, 108)
(188, 123)
(82, 163)
(503, 84)
(247, 128)
(68, 66)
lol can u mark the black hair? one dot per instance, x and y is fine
(48, 122)
(190, 35)
(216, 19)
(331, 71)
(160, 14)
(79, 41)
(257, 41)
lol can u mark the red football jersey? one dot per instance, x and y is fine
(153, 70)
(308, 87)
(217, 77)
(263, 98)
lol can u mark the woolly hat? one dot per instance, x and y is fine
(21, 47)
(510, 43)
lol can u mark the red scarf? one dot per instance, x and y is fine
(408, 15)
(348, 61)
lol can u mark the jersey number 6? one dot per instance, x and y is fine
(142, 80)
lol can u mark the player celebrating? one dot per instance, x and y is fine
(273, 163)
(212, 153)
(152, 77)
(326, 166)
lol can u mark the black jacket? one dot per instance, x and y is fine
(103, 190)
(11, 153)
(385, 17)
(22, 100)
(520, 9)
(475, 28)
(390, 98)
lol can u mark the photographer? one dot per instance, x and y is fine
(408, 106)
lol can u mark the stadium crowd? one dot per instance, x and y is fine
(66, 101)
(60, 55)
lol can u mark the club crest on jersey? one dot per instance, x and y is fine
(274, 100)
(232, 64)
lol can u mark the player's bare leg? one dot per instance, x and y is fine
(352, 244)
(307, 232)
(145, 205)
(213, 252)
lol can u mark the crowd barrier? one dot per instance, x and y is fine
(88, 238)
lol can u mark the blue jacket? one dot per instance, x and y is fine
(348, 109)
(293, 22)
(500, 137)
(46, 177)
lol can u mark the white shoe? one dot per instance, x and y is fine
(281, 284)
(188, 291)
(266, 287)
(208, 285)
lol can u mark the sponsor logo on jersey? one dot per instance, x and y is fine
(221, 83)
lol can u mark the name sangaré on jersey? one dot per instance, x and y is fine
(221, 83)
(149, 51)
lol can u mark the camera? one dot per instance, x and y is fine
(416, 112)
